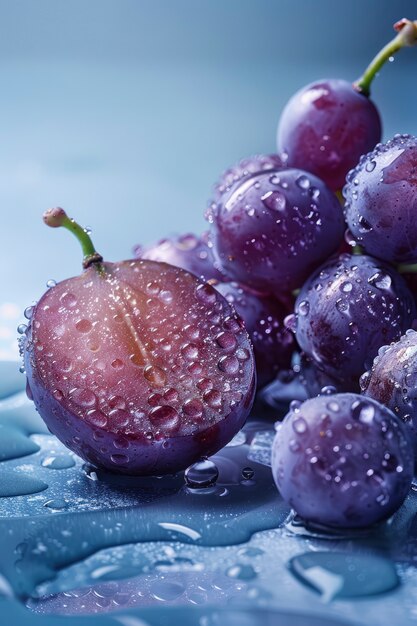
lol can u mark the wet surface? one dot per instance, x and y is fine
(218, 546)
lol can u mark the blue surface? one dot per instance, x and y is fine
(125, 112)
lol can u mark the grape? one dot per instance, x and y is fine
(188, 251)
(381, 200)
(270, 231)
(243, 170)
(326, 127)
(343, 460)
(263, 315)
(350, 307)
(137, 366)
(393, 379)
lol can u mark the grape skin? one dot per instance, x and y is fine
(140, 368)
(381, 200)
(325, 128)
(270, 231)
(348, 309)
(343, 460)
(392, 379)
(263, 315)
(191, 252)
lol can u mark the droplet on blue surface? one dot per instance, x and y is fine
(345, 575)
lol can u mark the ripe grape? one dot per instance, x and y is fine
(348, 308)
(393, 379)
(188, 251)
(343, 460)
(138, 366)
(381, 200)
(273, 228)
(243, 170)
(326, 127)
(263, 315)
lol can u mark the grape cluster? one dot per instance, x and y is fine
(278, 229)
(276, 261)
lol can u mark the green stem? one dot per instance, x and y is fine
(56, 218)
(406, 36)
(407, 268)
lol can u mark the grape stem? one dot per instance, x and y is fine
(407, 268)
(406, 37)
(56, 218)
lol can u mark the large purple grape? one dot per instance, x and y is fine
(393, 379)
(326, 127)
(244, 169)
(138, 366)
(270, 231)
(350, 307)
(263, 315)
(343, 460)
(381, 200)
(188, 251)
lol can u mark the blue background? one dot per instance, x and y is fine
(125, 112)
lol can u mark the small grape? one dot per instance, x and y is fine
(381, 200)
(188, 251)
(273, 228)
(343, 460)
(263, 315)
(348, 309)
(393, 379)
(326, 127)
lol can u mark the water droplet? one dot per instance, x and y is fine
(119, 459)
(303, 182)
(201, 474)
(50, 283)
(69, 300)
(363, 411)
(380, 280)
(22, 328)
(300, 425)
(213, 398)
(28, 312)
(229, 365)
(155, 375)
(242, 354)
(274, 200)
(226, 340)
(241, 571)
(83, 397)
(190, 351)
(83, 326)
(58, 504)
(165, 417)
(248, 473)
(97, 418)
(333, 406)
(117, 364)
(193, 408)
(303, 308)
(370, 166)
(58, 462)
(346, 287)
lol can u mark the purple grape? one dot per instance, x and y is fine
(326, 127)
(137, 366)
(189, 252)
(381, 200)
(270, 231)
(243, 170)
(393, 379)
(350, 307)
(343, 460)
(263, 315)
